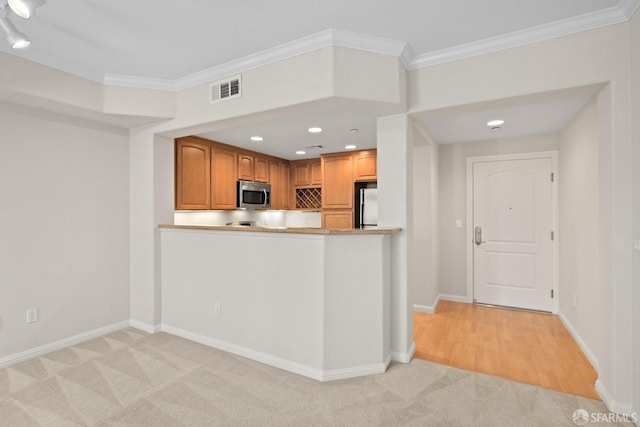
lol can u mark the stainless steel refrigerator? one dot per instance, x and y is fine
(368, 207)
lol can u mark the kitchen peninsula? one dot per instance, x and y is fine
(312, 301)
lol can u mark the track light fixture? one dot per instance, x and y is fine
(22, 8)
(15, 38)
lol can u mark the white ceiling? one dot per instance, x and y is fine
(164, 41)
(168, 39)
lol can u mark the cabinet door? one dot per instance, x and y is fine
(300, 174)
(261, 169)
(277, 189)
(245, 167)
(337, 219)
(316, 172)
(223, 178)
(365, 165)
(337, 181)
(286, 188)
(193, 174)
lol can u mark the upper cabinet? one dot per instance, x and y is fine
(223, 177)
(192, 174)
(306, 173)
(206, 173)
(252, 167)
(365, 165)
(337, 181)
(261, 169)
(245, 167)
(279, 180)
(316, 172)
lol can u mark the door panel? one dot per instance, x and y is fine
(513, 257)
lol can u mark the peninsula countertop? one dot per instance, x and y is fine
(290, 230)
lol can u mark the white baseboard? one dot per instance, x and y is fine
(454, 298)
(612, 405)
(60, 344)
(287, 365)
(145, 327)
(404, 357)
(428, 309)
(583, 345)
(360, 371)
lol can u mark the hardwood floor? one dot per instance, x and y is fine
(533, 348)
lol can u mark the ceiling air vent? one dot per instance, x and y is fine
(225, 89)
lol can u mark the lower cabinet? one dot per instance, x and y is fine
(337, 218)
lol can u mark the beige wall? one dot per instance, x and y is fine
(635, 132)
(453, 202)
(425, 206)
(579, 289)
(64, 229)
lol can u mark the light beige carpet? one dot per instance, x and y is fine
(129, 378)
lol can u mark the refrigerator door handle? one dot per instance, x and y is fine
(361, 208)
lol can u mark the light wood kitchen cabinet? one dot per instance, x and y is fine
(193, 174)
(206, 173)
(365, 165)
(337, 218)
(223, 178)
(245, 167)
(315, 167)
(306, 173)
(261, 169)
(337, 181)
(300, 174)
(279, 180)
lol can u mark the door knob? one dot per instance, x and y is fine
(477, 236)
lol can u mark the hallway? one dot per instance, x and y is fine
(533, 348)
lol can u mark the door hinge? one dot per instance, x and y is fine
(551, 293)
(552, 235)
(552, 176)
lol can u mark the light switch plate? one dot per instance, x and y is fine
(636, 244)
(458, 223)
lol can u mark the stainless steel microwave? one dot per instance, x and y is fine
(254, 194)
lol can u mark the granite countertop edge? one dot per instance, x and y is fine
(289, 230)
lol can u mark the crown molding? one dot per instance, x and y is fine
(629, 7)
(139, 82)
(369, 43)
(589, 21)
(329, 37)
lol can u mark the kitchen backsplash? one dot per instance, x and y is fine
(275, 218)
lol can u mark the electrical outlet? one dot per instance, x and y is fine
(32, 315)
(217, 309)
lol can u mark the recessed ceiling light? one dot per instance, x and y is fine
(257, 138)
(315, 130)
(300, 152)
(350, 147)
(494, 123)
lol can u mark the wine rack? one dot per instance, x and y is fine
(309, 198)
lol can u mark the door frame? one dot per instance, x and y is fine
(556, 214)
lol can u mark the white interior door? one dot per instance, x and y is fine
(513, 226)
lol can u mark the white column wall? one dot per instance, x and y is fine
(395, 209)
(634, 50)
(579, 291)
(426, 286)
